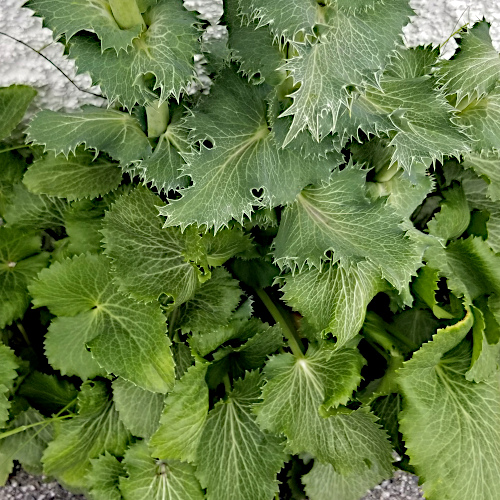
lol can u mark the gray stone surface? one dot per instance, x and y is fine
(436, 21)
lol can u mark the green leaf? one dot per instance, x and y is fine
(47, 392)
(488, 165)
(148, 261)
(126, 338)
(227, 243)
(68, 19)
(235, 458)
(14, 102)
(454, 217)
(475, 67)
(79, 439)
(296, 391)
(12, 167)
(482, 116)
(324, 483)
(183, 418)
(116, 133)
(338, 218)
(415, 325)
(485, 355)
(20, 261)
(26, 447)
(103, 477)
(139, 409)
(334, 300)
(165, 50)
(243, 159)
(212, 304)
(157, 479)
(252, 47)
(338, 60)
(8, 366)
(76, 177)
(461, 419)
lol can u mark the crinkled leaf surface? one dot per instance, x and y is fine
(114, 132)
(78, 176)
(148, 260)
(243, 159)
(97, 428)
(183, 418)
(157, 479)
(443, 411)
(338, 218)
(103, 477)
(126, 338)
(334, 300)
(165, 51)
(67, 19)
(235, 458)
(139, 409)
(14, 102)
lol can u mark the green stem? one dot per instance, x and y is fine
(20, 327)
(157, 116)
(14, 148)
(23, 428)
(126, 13)
(227, 383)
(289, 332)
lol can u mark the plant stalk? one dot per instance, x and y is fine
(157, 116)
(126, 13)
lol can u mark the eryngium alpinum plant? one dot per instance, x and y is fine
(263, 292)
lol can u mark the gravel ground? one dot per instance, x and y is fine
(436, 21)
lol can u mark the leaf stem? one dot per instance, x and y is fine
(20, 327)
(14, 148)
(288, 330)
(23, 428)
(227, 383)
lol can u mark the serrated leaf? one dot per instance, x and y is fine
(8, 366)
(244, 159)
(387, 409)
(324, 483)
(488, 165)
(139, 409)
(47, 392)
(475, 67)
(338, 218)
(116, 133)
(252, 47)
(461, 419)
(103, 477)
(411, 62)
(165, 50)
(76, 177)
(212, 304)
(482, 116)
(339, 60)
(26, 447)
(20, 262)
(485, 355)
(182, 357)
(235, 458)
(157, 479)
(148, 261)
(14, 102)
(334, 300)
(296, 390)
(68, 19)
(126, 338)
(416, 325)
(79, 439)
(227, 243)
(454, 217)
(183, 418)
(12, 167)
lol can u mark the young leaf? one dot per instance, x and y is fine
(76, 177)
(461, 419)
(126, 338)
(116, 133)
(296, 390)
(157, 479)
(97, 428)
(235, 458)
(165, 51)
(68, 19)
(139, 409)
(183, 418)
(337, 217)
(243, 159)
(148, 261)
(103, 477)
(334, 300)
(14, 102)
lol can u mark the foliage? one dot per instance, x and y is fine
(266, 291)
